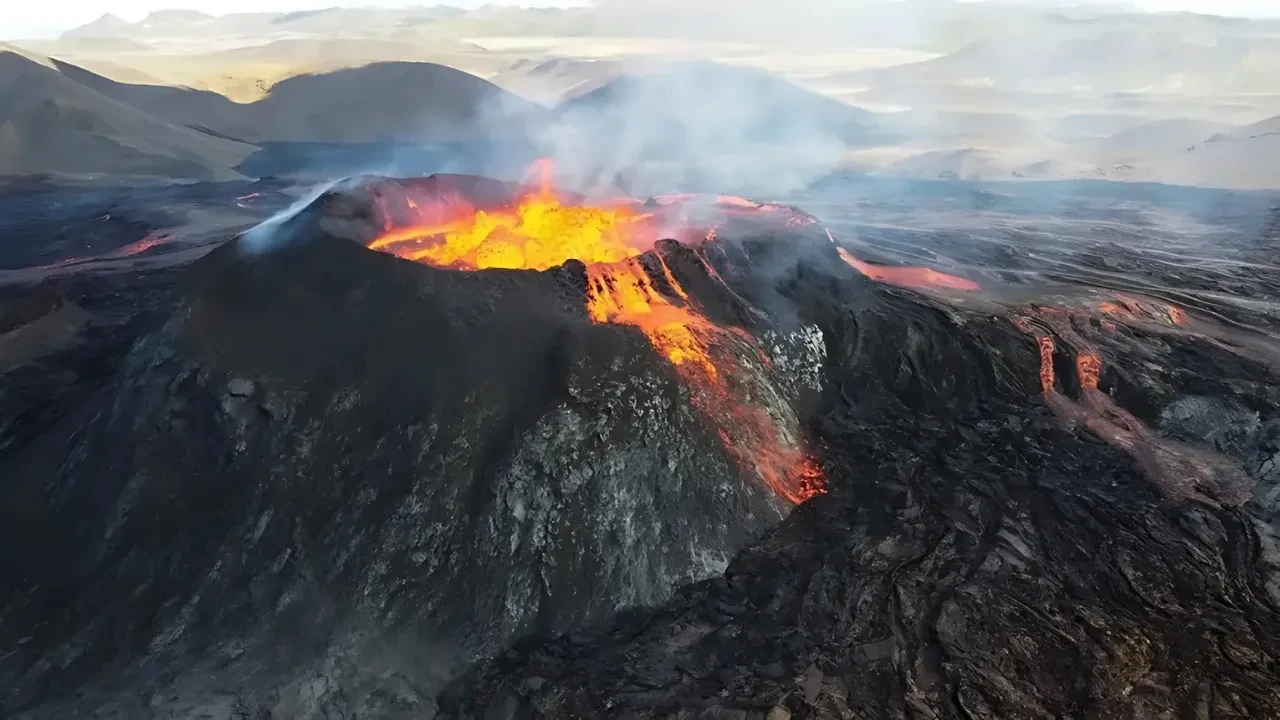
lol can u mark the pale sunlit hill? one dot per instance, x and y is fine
(1150, 139)
(1246, 158)
(245, 74)
(553, 80)
(1264, 128)
(169, 25)
(1124, 59)
(49, 123)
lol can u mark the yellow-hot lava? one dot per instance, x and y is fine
(540, 231)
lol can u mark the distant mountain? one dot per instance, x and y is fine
(718, 104)
(1121, 59)
(1246, 158)
(963, 164)
(553, 80)
(1152, 139)
(699, 125)
(331, 22)
(1268, 127)
(175, 17)
(390, 101)
(107, 26)
(51, 123)
(919, 24)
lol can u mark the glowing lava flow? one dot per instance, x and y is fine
(907, 276)
(1133, 309)
(1178, 470)
(541, 232)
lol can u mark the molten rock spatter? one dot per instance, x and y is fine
(1178, 470)
(721, 366)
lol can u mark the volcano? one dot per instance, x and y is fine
(489, 449)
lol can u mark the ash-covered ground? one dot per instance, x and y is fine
(320, 481)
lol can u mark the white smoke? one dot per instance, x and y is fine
(672, 127)
(267, 235)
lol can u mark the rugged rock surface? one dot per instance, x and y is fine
(321, 482)
(974, 559)
(327, 450)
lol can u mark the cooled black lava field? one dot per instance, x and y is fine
(875, 450)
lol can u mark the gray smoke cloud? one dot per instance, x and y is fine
(699, 126)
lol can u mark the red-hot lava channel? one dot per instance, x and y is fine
(906, 276)
(137, 247)
(1178, 470)
(540, 231)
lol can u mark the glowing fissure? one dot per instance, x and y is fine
(540, 232)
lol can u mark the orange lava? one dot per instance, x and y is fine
(909, 277)
(1088, 368)
(1179, 471)
(623, 294)
(537, 234)
(1133, 309)
(540, 231)
(134, 248)
(1045, 344)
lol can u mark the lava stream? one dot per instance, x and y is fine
(907, 276)
(1178, 470)
(1133, 309)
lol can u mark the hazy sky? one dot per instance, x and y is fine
(32, 18)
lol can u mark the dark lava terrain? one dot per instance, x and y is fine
(299, 478)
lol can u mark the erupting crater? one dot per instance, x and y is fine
(629, 281)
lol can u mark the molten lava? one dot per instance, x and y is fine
(538, 233)
(1045, 343)
(1178, 470)
(906, 276)
(541, 231)
(623, 294)
(1088, 368)
(1133, 309)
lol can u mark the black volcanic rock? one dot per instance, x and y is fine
(328, 451)
(975, 558)
(325, 481)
